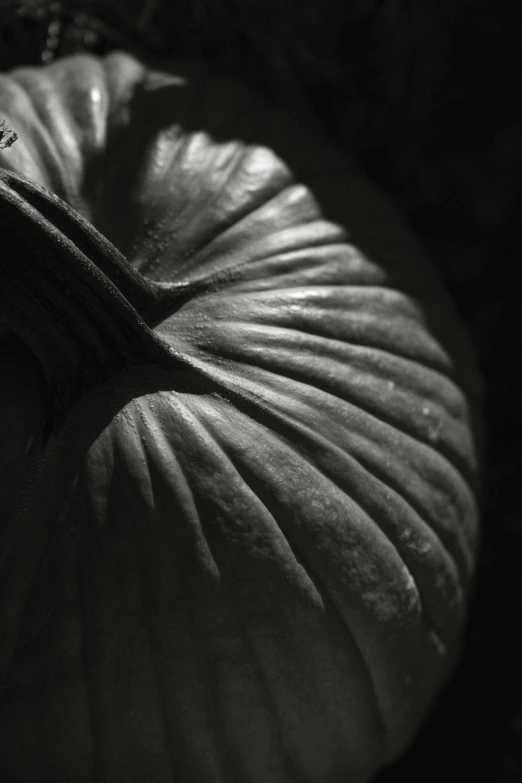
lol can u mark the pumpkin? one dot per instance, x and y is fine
(239, 442)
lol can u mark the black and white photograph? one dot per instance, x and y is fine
(260, 407)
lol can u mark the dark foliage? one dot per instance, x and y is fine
(426, 95)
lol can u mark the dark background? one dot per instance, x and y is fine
(426, 94)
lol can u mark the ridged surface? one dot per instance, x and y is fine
(265, 581)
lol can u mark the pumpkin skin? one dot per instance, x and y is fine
(243, 550)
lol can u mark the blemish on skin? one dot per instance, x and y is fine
(7, 136)
(434, 423)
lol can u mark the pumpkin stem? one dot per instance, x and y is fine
(69, 294)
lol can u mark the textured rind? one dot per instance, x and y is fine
(264, 579)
